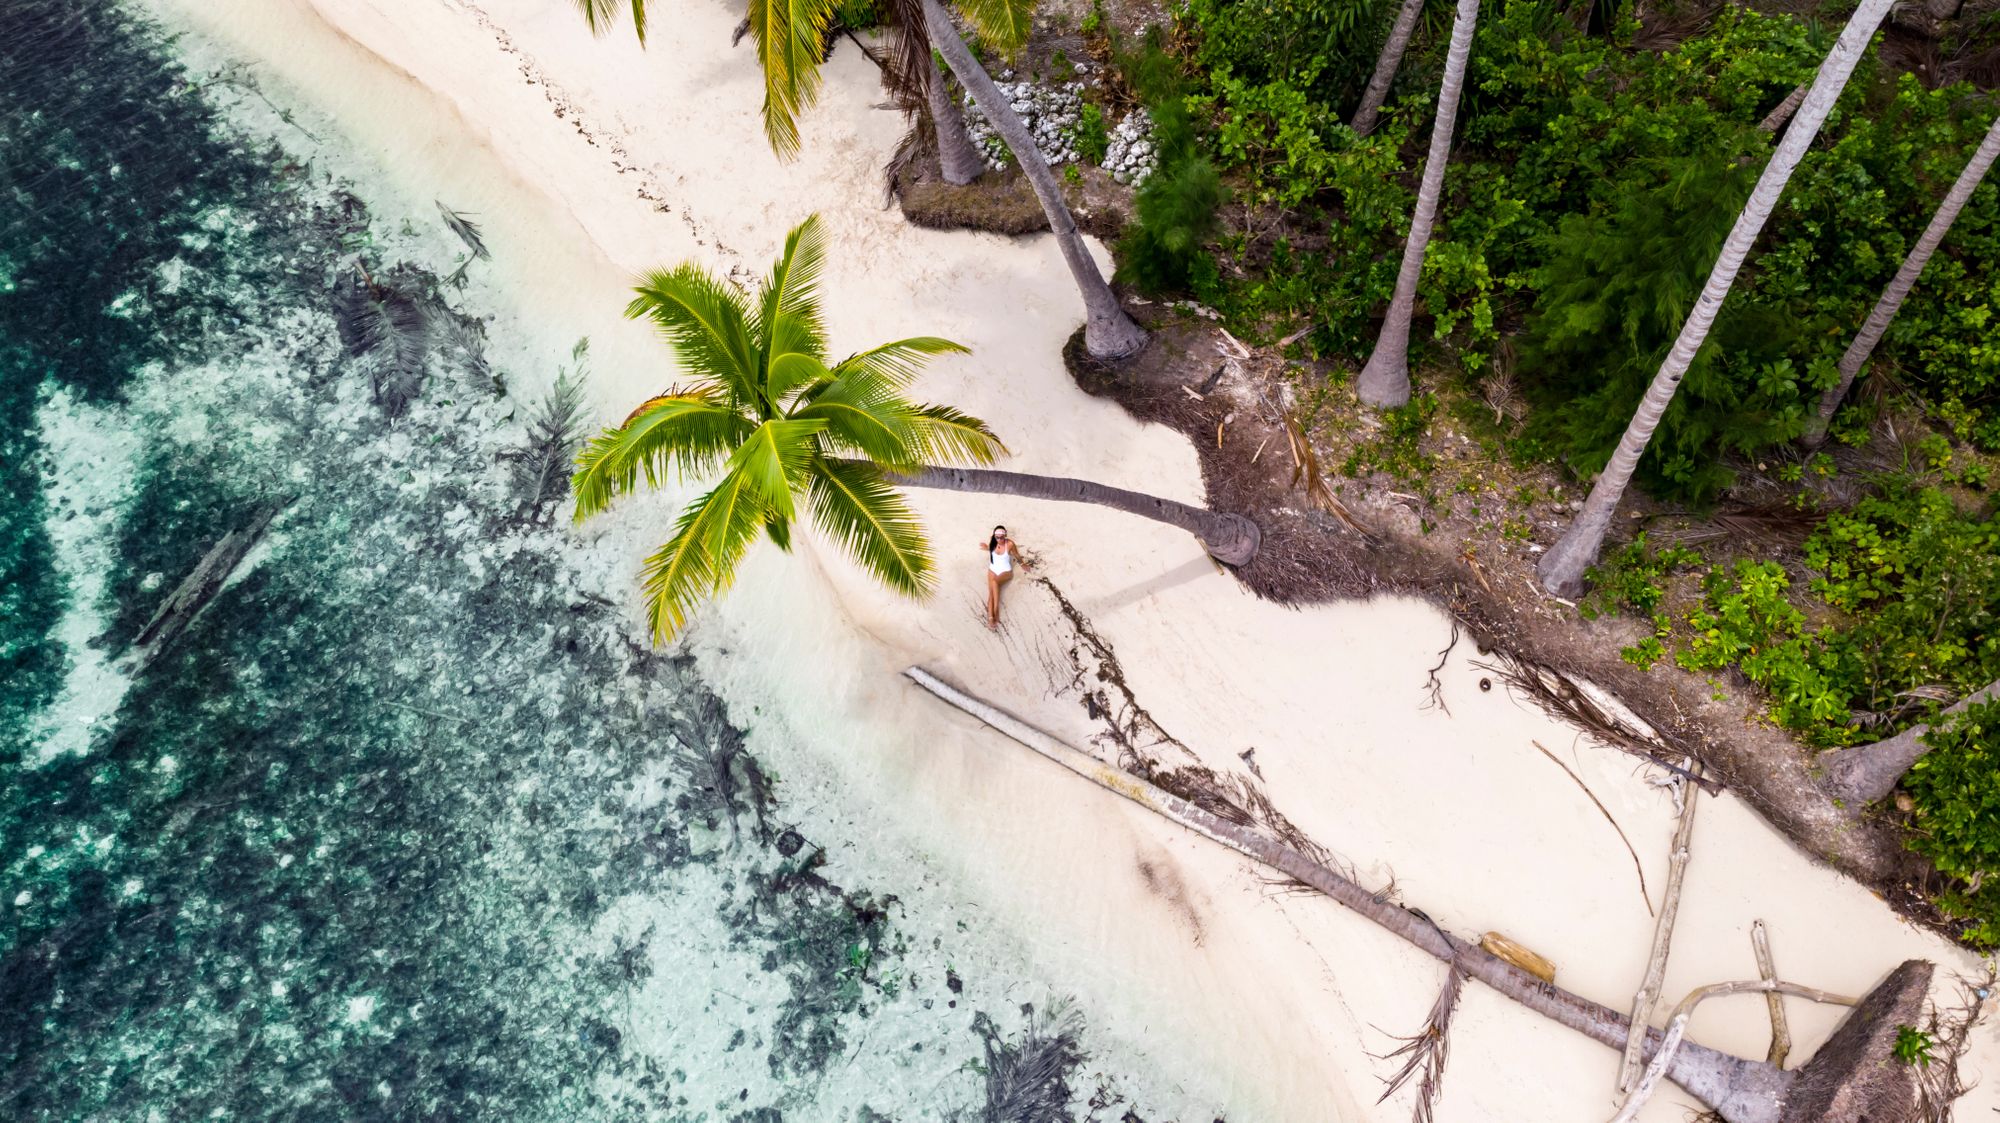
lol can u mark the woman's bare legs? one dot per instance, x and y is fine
(993, 583)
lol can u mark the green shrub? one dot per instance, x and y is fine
(1093, 139)
(1957, 801)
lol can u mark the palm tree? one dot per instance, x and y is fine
(1385, 380)
(1905, 279)
(789, 35)
(1386, 65)
(795, 435)
(1562, 568)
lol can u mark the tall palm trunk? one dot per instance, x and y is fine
(1229, 538)
(1563, 567)
(1905, 279)
(1386, 65)
(1863, 774)
(1108, 333)
(957, 154)
(1743, 1091)
(1385, 381)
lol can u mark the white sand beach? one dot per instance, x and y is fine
(586, 161)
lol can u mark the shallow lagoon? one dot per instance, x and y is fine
(404, 824)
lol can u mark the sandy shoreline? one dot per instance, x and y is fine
(1263, 1005)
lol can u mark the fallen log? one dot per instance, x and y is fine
(201, 585)
(1854, 1068)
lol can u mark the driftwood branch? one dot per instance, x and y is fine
(1677, 1030)
(1781, 1032)
(1663, 938)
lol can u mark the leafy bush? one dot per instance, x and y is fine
(1163, 249)
(1093, 139)
(1958, 813)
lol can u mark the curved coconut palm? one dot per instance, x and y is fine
(1899, 287)
(790, 36)
(1385, 379)
(796, 436)
(1562, 568)
(1386, 65)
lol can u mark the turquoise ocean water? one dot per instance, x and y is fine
(402, 825)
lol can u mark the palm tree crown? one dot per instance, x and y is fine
(783, 425)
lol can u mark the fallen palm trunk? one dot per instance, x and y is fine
(201, 585)
(1743, 1091)
(1853, 1067)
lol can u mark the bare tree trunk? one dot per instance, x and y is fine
(1562, 568)
(1663, 937)
(1385, 380)
(1386, 65)
(1229, 538)
(1782, 112)
(1108, 333)
(958, 156)
(1865, 773)
(192, 596)
(1742, 1091)
(1899, 288)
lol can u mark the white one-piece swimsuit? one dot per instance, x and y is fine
(1002, 563)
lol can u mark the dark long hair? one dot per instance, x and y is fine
(993, 541)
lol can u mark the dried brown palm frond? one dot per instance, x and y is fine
(1501, 391)
(467, 231)
(1771, 526)
(1940, 1082)
(1560, 697)
(1306, 473)
(1425, 1052)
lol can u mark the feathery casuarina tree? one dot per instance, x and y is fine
(1386, 65)
(1385, 380)
(790, 36)
(1899, 287)
(1562, 568)
(798, 436)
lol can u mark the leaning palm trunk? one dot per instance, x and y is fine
(1108, 333)
(957, 155)
(1742, 1091)
(1782, 112)
(1229, 538)
(1865, 773)
(1386, 65)
(1385, 381)
(1905, 279)
(1562, 568)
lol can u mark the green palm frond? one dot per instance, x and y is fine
(1002, 24)
(941, 434)
(788, 310)
(770, 413)
(895, 365)
(686, 431)
(789, 35)
(706, 320)
(775, 459)
(856, 507)
(699, 561)
(601, 14)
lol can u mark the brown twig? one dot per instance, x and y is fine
(1663, 938)
(1781, 1032)
(1606, 812)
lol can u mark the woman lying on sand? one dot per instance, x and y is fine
(999, 571)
